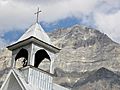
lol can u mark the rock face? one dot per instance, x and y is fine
(101, 79)
(85, 49)
(79, 64)
(5, 58)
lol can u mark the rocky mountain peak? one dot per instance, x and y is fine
(84, 48)
(79, 36)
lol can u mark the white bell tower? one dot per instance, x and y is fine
(33, 47)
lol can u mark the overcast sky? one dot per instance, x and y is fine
(17, 15)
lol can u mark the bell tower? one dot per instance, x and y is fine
(28, 53)
(33, 47)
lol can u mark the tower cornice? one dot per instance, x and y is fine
(34, 40)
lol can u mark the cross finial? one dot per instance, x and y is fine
(37, 13)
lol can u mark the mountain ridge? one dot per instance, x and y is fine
(84, 45)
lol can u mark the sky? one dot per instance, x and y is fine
(17, 15)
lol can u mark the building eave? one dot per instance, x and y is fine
(35, 41)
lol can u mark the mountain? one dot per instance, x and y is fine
(88, 60)
(85, 49)
(102, 79)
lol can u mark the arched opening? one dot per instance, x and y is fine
(42, 59)
(21, 58)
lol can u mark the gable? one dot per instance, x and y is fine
(12, 83)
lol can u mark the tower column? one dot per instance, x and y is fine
(32, 54)
(51, 66)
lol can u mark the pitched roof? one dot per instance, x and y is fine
(36, 31)
(18, 78)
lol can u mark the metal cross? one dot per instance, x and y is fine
(37, 13)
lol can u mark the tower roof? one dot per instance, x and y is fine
(35, 31)
(37, 35)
